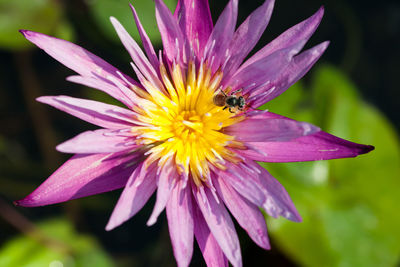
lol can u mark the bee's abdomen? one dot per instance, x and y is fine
(219, 100)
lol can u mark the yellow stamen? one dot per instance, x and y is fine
(186, 127)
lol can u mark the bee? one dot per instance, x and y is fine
(229, 101)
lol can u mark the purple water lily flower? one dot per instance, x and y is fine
(190, 129)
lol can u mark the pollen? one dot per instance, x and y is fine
(181, 122)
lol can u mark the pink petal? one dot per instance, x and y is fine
(212, 253)
(99, 141)
(195, 20)
(75, 57)
(274, 200)
(171, 34)
(105, 86)
(247, 215)
(269, 130)
(247, 35)
(137, 54)
(220, 224)
(166, 181)
(180, 223)
(83, 175)
(318, 146)
(294, 37)
(278, 202)
(261, 72)
(97, 113)
(148, 47)
(297, 68)
(134, 196)
(221, 36)
(238, 179)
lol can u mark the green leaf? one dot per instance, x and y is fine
(103, 9)
(349, 206)
(44, 16)
(59, 245)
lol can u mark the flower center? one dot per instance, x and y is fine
(188, 125)
(182, 123)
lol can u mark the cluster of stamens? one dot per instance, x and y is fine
(184, 122)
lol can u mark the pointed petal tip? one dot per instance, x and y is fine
(325, 44)
(112, 224)
(293, 215)
(27, 33)
(109, 227)
(270, 4)
(25, 202)
(63, 148)
(72, 78)
(151, 221)
(264, 243)
(360, 149)
(366, 148)
(296, 218)
(23, 32)
(42, 99)
(132, 8)
(316, 18)
(320, 12)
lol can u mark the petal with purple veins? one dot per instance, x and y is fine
(317, 146)
(238, 178)
(297, 68)
(126, 97)
(148, 47)
(75, 57)
(134, 195)
(212, 253)
(99, 141)
(172, 37)
(83, 175)
(217, 45)
(136, 53)
(295, 37)
(246, 36)
(180, 223)
(269, 130)
(246, 214)
(278, 202)
(166, 182)
(220, 224)
(97, 113)
(261, 72)
(195, 20)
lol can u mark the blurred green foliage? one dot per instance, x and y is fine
(103, 9)
(61, 246)
(349, 206)
(44, 16)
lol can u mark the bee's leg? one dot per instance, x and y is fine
(237, 91)
(221, 91)
(230, 110)
(225, 107)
